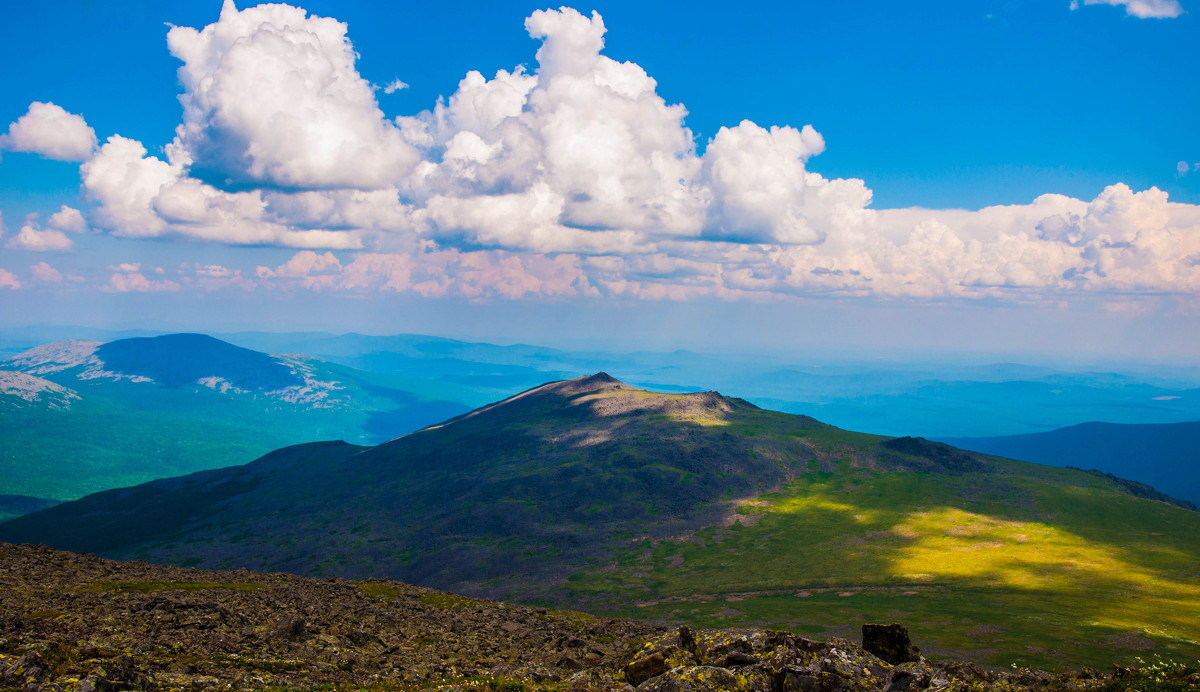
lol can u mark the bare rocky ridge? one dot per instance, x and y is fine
(80, 623)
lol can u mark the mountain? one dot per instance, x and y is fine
(80, 416)
(1164, 456)
(175, 360)
(690, 507)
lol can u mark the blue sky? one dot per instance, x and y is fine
(997, 174)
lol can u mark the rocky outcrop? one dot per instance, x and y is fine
(768, 661)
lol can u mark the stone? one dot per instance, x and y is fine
(290, 628)
(890, 643)
(642, 669)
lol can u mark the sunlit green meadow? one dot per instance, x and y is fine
(1044, 569)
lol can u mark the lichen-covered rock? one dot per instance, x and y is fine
(642, 668)
(596, 681)
(909, 677)
(707, 679)
(663, 653)
(715, 647)
(890, 643)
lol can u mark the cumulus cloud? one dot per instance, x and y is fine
(1142, 9)
(68, 220)
(34, 238)
(129, 278)
(8, 280)
(394, 86)
(584, 155)
(52, 132)
(142, 196)
(46, 274)
(762, 192)
(272, 98)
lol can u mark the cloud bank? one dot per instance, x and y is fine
(575, 178)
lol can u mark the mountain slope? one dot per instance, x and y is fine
(1164, 456)
(693, 507)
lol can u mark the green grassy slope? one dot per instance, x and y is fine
(1026, 565)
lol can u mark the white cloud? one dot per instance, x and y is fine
(127, 278)
(585, 142)
(52, 132)
(584, 155)
(125, 182)
(1143, 9)
(34, 238)
(8, 280)
(46, 274)
(762, 193)
(68, 220)
(142, 196)
(272, 98)
(394, 86)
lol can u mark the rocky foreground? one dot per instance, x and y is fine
(77, 622)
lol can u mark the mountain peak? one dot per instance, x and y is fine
(600, 382)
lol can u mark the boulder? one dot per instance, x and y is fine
(890, 643)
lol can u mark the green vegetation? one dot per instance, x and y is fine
(1156, 675)
(1027, 565)
(446, 601)
(379, 589)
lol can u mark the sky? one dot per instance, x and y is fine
(1001, 176)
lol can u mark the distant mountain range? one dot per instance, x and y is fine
(694, 507)
(1165, 456)
(81, 416)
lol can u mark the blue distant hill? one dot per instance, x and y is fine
(1164, 456)
(176, 360)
